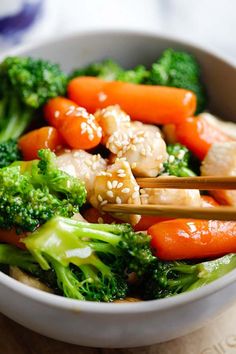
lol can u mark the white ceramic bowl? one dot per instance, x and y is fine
(127, 324)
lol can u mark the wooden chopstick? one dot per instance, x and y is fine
(216, 213)
(201, 183)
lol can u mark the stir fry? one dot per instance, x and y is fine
(70, 144)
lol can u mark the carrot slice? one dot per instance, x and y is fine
(43, 138)
(198, 135)
(10, 236)
(191, 239)
(149, 104)
(78, 128)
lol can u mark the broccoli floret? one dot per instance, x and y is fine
(90, 260)
(109, 70)
(180, 161)
(33, 192)
(165, 279)
(25, 85)
(9, 152)
(179, 69)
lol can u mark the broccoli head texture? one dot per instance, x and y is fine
(180, 161)
(9, 152)
(33, 192)
(166, 279)
(25, 85)
(110, 70)
(179, 69)
(90, 260)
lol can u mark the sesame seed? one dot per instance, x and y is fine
(100, 220)
(70, 110)
(120, 170)
(110, 194)
(136, 188)
(118, 200)
(134, 165)
(109, 185)
(121, 175)
(120, 184)
(100, 199)
(114, 184)
(125, 190)
(104, 202)
(135, 195)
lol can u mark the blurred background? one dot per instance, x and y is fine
(209, 22)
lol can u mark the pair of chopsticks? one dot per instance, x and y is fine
(201, 183)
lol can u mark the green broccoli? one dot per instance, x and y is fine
(9, 152)
(165, 279)
(109, 70)
(13, 256)
(179, 69)
(25, 85)
(180, 161)
(90, 260)
(33, 192)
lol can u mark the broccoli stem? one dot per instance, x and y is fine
(212, 270)
(13, 256)
(186, 172)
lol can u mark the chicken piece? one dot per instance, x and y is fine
(29, 280)
(81, 164)
(229, 128)
(141, 144)
(183, 197)
(221, 161)
(117, 185)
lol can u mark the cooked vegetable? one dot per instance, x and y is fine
(178, 163)
(198, 135)
(78, 128)
(9, 152)
(109, 70)
(149, 104)
(35, 140)
(179, 69)
(90, 260)
(191, 239)
(166, 279)
(33, 192)
(25, 85)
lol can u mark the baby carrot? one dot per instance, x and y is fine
(43, 138)
(198, 135)
(78, 128)
(190, 239)
(149, 104)
(11, 237)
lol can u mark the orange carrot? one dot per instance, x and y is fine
(190, 239)
(56, 108)
(198, 135)
(79, 129)
(147, 221)
(10, 236)
(149, 104)
(43, 138)
(208, 201)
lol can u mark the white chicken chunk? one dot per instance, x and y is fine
(229, 128)
(183, 197)
(81, 164)
(117, 185)
(141, 144)
(221, 161)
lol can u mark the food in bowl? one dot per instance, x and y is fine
(70, 144)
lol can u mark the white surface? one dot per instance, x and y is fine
(210, 22)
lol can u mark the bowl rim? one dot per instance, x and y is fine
(120, 308)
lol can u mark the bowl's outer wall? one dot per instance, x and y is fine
(130, 50)
(135, 329)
